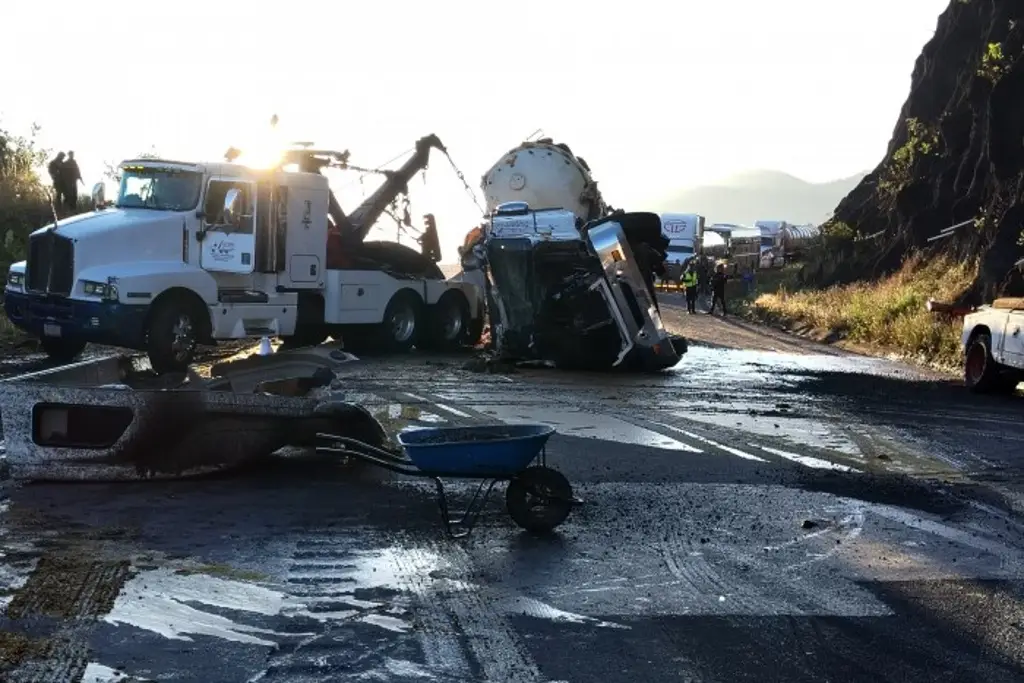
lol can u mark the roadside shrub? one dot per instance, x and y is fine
(889, 314)
(24, 203)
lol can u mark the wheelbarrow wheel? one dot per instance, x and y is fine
(539, 499)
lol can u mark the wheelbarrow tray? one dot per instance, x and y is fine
(486, 451)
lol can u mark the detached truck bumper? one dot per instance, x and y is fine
(96, 322)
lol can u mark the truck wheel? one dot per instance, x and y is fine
(401, 324)
(982, 374)
(449, 322)
(61, 350)
(173, 335)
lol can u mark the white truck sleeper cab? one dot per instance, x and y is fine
(194, 253)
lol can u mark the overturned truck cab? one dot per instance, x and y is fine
(575, 296)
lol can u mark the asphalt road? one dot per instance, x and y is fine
(770, 510)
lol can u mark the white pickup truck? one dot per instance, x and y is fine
(993, 343)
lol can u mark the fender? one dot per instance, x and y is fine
(143, 281)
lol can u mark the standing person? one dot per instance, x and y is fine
(691, 283)
(718, 281)
(748, 281)
(71, 176)
(56, 169)
(703, 277)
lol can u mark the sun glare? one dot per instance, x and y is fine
(262, 156)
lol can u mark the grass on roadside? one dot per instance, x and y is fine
(888, 314)
(10, 336)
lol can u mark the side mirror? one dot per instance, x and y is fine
(99, 195)
(233, 206)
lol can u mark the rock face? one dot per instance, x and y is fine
(956, 155)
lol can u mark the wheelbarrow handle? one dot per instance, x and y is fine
(364, 451)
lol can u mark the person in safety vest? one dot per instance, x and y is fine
(691, 283)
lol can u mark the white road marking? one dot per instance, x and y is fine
(586, 425)
(728, 449)
(451, 410)
(806, 460)
(689, 448)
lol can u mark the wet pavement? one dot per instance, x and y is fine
(796, 514)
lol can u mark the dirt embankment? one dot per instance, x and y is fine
(956, 157)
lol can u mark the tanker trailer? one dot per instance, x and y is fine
(557, 256)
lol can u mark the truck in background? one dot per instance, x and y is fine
(193, 253)
(715, 245)
(771, 254)
(685, 234)
(745, 245)
(792, 241)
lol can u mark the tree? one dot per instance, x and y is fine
(24, 202)
(19, 158)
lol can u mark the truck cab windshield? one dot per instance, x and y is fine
(159, 189)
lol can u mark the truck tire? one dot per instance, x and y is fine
(448, 323)
(62, 349)
(982, 374)
(173, 335)
(401, 326)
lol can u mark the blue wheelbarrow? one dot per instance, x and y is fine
(538, 498)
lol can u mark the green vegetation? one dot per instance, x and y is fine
(993, 63)
(24, 205)
(888, 315)
(922, 140)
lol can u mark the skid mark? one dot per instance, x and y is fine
(496, 649)
(697, 574)
(326, 574)
(76, 590)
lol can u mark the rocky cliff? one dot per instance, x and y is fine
(956, 156)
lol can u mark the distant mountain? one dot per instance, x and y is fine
(769, 195)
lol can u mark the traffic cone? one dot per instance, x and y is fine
(265, 348)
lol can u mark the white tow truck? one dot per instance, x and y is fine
(194, 253)
(993, 344)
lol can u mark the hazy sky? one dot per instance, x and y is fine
(655, 95)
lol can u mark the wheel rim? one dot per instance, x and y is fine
(403, 323)
(451, 325)
(976, 362)
(183, 339)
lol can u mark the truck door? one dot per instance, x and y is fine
(1013, 340)
(229, 248)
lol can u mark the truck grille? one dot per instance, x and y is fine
(51, 264)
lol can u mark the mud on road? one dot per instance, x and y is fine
(763, 512)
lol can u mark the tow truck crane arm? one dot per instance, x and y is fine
(347, 234)
(354, 228)
(395, 183)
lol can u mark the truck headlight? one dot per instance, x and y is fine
(16, 280)
(100, 289)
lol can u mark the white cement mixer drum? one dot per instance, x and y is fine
(544, 176)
